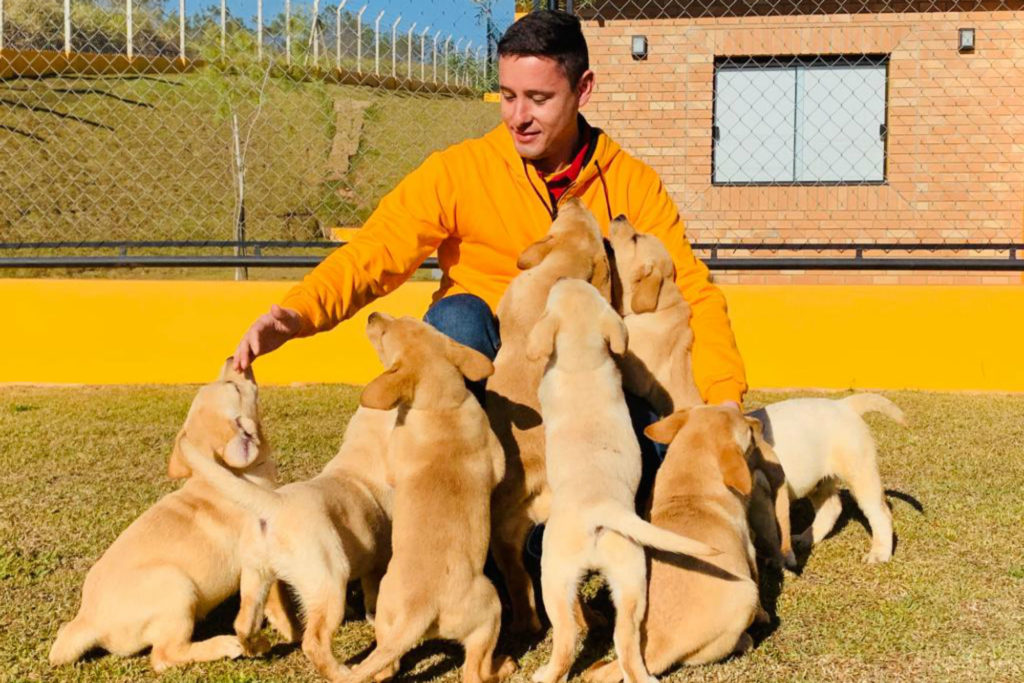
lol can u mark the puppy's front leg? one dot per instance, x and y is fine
(253, 590)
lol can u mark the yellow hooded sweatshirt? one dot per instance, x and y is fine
(479, 204)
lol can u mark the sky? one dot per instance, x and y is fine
(455, 17)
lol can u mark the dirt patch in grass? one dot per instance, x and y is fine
(78, 464)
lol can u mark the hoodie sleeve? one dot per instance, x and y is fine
(407, 226)
(717, 366)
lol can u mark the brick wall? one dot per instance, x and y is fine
(955, 130)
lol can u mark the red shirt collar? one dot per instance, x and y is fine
(557, 184)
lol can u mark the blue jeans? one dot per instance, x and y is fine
(469, 321)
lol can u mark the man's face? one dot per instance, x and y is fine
(539, 105)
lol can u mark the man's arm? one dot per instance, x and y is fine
(407, 226)
(717, 366)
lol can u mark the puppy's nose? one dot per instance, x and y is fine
(621, 217)
(374, 317)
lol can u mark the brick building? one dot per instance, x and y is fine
(822, 121)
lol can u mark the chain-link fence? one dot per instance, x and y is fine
(887, 128)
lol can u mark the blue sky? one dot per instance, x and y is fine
(455, 17)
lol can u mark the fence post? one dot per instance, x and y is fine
(376, 43)
(447, 42)
(129, 31)
(481, 67)
(181, 30)
(259, 30)
(465, 67)
(423, 53)
(223, 28)
(394, 45)
(408, 52)
(433, 55)
(67, 26)
(313, 35)
(337, 33)
(359, 40)
(288, 32)
(1, 24)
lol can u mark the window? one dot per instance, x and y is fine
(792, 120)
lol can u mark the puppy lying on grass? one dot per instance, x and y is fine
(572, 248)
(180, 559)
(699, 610)
(445, 461)
(314, 535)
(593, 469)
(823, 442)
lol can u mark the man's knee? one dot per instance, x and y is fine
(468, 320)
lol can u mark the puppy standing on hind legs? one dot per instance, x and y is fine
(445, 462)
(593, 469)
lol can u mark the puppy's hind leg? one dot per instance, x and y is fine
(866, 488)
(625, 567)
(74, 639)
(559, 578)
(323, 600)
(827, 507)
(481, 641)
(171, 644)
(253, 593)
(507, 541)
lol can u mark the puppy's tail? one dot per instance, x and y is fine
(626, 523)
(873, 403)
(74, 639)
(239, 490)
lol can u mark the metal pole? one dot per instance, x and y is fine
(376, 43)
(423, 52)
(181, 29)
(1, 24)
(408, 51)
(446, 59)
(359, 40)
(259, 30)
(337, 34)
(481, 68)
(314, 36)
(67, 26)
(128, 28)
(433, 55)
(223, 27)
(465, 66)
(394, 45)
(288, 32)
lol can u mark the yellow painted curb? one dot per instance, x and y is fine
(34, 63)
(130, 332)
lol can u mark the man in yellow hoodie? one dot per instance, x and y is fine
(481, 202)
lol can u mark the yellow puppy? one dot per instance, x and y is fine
(698, 611)
(573, 248)
(593, 468)
(445, 462)
(315, 535)
(180, 559)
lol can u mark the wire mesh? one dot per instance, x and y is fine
(891, 122)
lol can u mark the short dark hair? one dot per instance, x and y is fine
(549, 33)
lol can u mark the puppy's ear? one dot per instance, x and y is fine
(664, 430)
(541, 342)
(535, 253)
(601, 276)
(614, 332)
(735, 470)
(388, 390)
(646, 288)
(177, 468)
(473, 365)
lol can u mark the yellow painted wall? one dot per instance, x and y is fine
(130, 332)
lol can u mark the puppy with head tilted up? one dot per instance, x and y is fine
(593, 469)
(698, 610)
(444, 461)
(180, 558)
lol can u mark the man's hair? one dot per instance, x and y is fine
(552, 34)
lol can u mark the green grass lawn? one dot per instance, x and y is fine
(150, 157)
(78, 464)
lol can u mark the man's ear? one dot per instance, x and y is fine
(646, 288)
(735, 470)
(541, 342)
(177, 468)
(664, 430)
(473, 365)
(614, 332)
(387, 390)
(535, 253)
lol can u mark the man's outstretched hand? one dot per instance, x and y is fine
(266, 334)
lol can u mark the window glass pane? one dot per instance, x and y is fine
(839, 113)
(754, 113)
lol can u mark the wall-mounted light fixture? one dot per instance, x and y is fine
(965, 42)
(638, 47)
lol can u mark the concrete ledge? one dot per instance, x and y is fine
(132, 332)
(35, 63)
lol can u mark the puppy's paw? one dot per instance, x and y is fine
(525, 626)
(540, 675)
(256, 646)
(789, 561)
(371, 617)
(505, 668)
(878, 556)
